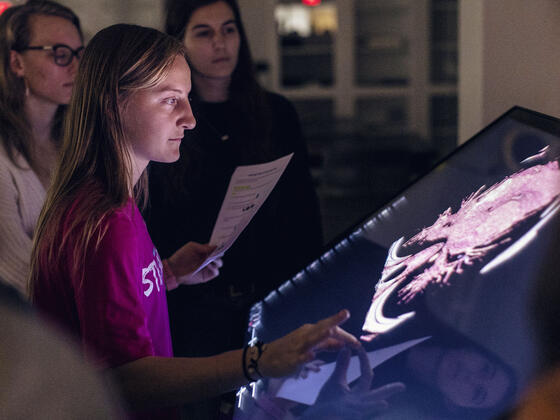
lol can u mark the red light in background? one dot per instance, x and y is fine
(311, 2)
(4, 5)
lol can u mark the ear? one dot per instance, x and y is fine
(16, 63)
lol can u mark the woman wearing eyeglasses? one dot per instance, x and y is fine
(40, 45)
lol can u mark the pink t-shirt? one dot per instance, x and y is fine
(119, 311)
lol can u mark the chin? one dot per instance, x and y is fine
(221, 73)
(62, 101)
(173, 158)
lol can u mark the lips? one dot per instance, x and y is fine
(220, 60)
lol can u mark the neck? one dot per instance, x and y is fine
(211, 89)
(40, 116)
(138, 167)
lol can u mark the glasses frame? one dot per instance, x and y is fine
(73, 52)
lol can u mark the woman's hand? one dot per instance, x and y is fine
(186, 261)
(288, 354)
(337, 400)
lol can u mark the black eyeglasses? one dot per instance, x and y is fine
(63, 54)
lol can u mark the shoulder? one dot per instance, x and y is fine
(109, 230)
(119, 227)
(15, 172)
(6, 165)
(20, 163)
(19, 179)
(279, 103)
(285, 116)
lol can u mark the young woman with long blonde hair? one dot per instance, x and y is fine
(95, 270)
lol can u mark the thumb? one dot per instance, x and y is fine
(203, 250)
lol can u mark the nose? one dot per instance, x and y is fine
(73, 66)
(219, 40)
(187, 120)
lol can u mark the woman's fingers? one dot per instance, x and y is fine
(366, 376)
(286, 355)
(212, 270)
(314, 366)
(341, 366)
(334, 320)
(203, 249)
(333, 339)
(199, 252)
(188, 259)
(217, 263)
(385, 391)
(327, 335)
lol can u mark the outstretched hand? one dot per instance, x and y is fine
(186, 261)
(286, 355)
(339, 401)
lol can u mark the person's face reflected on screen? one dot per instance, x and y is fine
(468, 379)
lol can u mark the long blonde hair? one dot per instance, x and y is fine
(95, 164)
(15, 34)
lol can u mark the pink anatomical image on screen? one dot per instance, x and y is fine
(482, 225)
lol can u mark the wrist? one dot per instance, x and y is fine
(169, 276)
(250, 361)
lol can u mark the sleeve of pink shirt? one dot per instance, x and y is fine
(112, 320)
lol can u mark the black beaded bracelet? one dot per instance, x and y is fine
(253, 366)
(245, 371)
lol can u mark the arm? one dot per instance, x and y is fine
(17, 208)
(156, 381)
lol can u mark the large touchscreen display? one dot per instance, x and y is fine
(438, 283)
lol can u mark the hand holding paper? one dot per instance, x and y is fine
(248, 189)
(190, 265)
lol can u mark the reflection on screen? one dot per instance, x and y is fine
(437, 283)
(483, 224)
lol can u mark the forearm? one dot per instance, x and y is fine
(160, 381)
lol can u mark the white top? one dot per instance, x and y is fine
(21, 199)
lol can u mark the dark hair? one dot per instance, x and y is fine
(15, 34)
(244, 91)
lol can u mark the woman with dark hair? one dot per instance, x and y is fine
(95, 270)
(40, 45)
(238, 123)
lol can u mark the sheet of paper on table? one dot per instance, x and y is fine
(248, 189)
